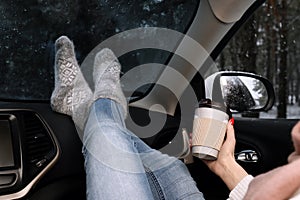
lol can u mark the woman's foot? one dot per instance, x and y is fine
(107, 78)
(72, 95)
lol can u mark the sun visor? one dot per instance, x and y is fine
(229, 11)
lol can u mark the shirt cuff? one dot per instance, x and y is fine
(240, 190)
(296, 195)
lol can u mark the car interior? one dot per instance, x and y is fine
(163, 80)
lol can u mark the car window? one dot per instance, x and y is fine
(268, 45)
(29, 29)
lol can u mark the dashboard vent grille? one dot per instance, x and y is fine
(39, 145)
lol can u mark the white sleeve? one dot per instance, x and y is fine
(240, 190)
(296, 196)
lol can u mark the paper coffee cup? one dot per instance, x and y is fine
(209, 128)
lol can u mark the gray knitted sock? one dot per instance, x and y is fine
(71, 95)
(106, 77)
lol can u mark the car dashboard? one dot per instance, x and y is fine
(28, 150)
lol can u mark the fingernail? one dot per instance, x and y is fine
(231, 121)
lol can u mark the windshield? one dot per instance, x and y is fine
(29, 29)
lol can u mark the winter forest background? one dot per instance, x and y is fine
(269, 45)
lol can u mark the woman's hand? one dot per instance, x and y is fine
(296, 141)
(225, 166)
(226, 154)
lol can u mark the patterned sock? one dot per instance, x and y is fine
(107, 78)
(72, 95)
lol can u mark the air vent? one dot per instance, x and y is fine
(39, 146)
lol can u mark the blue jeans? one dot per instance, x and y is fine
(121, 166)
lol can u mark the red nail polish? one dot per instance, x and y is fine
(231, 121)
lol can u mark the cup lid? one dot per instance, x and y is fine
(208, 103)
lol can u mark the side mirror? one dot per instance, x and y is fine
(241, 91)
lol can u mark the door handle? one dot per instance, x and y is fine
(247, 156)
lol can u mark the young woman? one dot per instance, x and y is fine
(118, 164)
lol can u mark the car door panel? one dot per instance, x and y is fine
(270, 138)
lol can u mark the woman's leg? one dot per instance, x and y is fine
(168, 177)
(113, 166)
(171, 175)
(118, 164)
(116, 158)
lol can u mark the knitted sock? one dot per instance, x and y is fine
(72, 95)
(107, 78)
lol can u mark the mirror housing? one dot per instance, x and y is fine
(240, 91)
